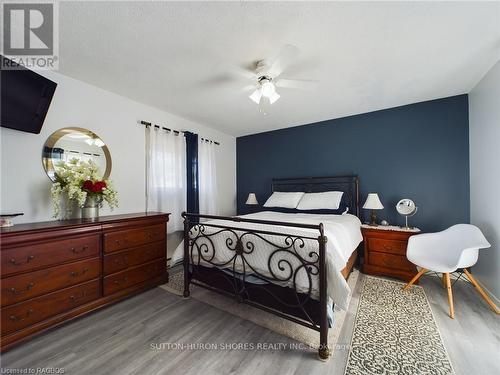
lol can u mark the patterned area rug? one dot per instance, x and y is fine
(395, 333)
(259, 317)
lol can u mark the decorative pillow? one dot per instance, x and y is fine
(328, 200)
(284, 199)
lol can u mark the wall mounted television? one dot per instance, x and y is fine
(25, 97)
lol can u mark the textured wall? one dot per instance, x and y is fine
(485, 174)
(26, 188)
(419, 151)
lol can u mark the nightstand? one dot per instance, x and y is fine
(385, 251)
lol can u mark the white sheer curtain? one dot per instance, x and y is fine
(166, 175)
(207, 176)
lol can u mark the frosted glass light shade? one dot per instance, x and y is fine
(252, 199)
(373, 202)
(256, 96)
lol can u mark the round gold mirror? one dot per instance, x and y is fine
(75, 143)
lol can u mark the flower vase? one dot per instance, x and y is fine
(90, 209)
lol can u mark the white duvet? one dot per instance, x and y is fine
(343, 233)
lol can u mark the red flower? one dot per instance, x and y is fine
(99, 186)
(88, 185)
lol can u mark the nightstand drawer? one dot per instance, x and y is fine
(390, 261)
(385, 252)
(387, 246)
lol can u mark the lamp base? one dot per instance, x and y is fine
(373, 219)
(406, 227)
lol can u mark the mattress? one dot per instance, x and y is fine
(342, 231)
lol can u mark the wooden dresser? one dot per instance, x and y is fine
(385, 252)
(55, 271)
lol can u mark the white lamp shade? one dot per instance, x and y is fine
(373, 202)
(252, 199)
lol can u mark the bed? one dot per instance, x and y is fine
(290, 263)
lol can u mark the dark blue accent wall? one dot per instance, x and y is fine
(418, 151)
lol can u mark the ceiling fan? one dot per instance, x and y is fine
(267, 77)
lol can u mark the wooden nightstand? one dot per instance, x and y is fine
(385, 251)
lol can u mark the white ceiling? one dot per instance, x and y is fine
(365, 56)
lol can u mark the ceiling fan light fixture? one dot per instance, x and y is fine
(275, 96)
(268, 89)
(256, 95)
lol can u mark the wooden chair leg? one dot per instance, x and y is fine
(443, 280)
(481, 291)
(450, 295)
(415, 278)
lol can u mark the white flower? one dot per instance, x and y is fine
(70, 177)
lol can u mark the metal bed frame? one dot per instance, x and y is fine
(284, 263)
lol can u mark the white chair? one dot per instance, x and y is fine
(454, 248)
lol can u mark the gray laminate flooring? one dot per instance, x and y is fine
(127, 338)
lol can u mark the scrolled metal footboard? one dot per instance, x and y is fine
(273, 287)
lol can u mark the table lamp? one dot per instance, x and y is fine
(373, 203)
(252, 200)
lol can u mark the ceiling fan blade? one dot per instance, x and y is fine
(302, 84)
(248, 88)
(284, 58)
(256, 96)
(240, 72)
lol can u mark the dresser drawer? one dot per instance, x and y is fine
(37, 309)
(22, 287)
(387, 246)
(390, 261)
(132, 276)
(27, 258)
(118, 261)
(123, 239)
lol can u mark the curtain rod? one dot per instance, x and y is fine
(175, 131)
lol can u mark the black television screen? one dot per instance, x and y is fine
(25, 98)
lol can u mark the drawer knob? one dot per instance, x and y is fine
(76, 298)
(79, 251)
(125, 279)
(387, 247)
(76, 273)
(21, 291)
(15, 318)
(29, 258)
(123, 260)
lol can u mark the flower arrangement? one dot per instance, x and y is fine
(81, 180)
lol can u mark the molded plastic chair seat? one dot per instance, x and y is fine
(445, 252)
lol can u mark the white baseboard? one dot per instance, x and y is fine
(454, 276)
(489, 292)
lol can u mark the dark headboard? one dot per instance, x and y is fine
(348, 184)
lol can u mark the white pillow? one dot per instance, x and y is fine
(284, 199)
(329, 200)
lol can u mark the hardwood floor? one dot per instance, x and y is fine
(473, 337)
(126, 338)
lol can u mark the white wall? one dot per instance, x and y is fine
(26, 188)
(484, 128)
